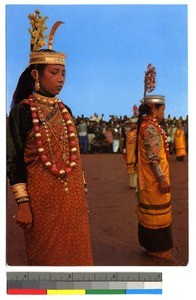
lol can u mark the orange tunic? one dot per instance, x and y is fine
(130, 151)
(180, 142)
(154, 207)
(60, 234)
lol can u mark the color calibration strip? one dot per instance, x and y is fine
(100, 283)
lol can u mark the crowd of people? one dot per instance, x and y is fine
(99, 136)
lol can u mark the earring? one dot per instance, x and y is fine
(37, 85)
(35, 75)
(154, 116)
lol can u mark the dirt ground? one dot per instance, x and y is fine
(112, 217)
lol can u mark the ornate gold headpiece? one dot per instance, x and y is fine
(38, 40)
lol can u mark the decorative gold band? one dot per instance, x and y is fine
(22, 200)
(19, 190)
(49, 58)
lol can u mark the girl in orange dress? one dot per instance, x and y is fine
(44, 164)
(180, 143)
(130, 152)
(154, 208)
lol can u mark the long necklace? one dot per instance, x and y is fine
(40, 107)
(154, 121)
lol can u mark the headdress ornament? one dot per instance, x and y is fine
(38, 40)
(149, 79)
(149, 86)
(134, 118)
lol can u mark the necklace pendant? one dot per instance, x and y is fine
(62, 173)
(66, 190)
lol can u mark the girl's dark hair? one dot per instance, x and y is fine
(144, 110)
(26, 83)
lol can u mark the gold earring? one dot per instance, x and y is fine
(37, 84)
(36, 78)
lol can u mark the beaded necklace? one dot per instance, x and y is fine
(154, 121)
(40, 107)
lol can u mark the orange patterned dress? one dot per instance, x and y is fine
(154, 209)
(130, 150)
(180, 143)
(60, 235)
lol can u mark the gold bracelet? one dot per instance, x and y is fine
(19, 190)
(17, 186)
(20, 194)
(22, 200)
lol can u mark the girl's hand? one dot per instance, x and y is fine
(24, 217)
(164, 187)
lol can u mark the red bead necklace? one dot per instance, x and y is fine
(62, 173)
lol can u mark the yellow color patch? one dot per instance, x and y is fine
(66, 292)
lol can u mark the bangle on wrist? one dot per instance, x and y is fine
(19, 190)
(22, 200)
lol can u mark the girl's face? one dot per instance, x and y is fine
(133, 125)
(51, 79)
(159, 112)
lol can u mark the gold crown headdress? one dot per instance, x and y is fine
(38, 40)
(149, 86)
